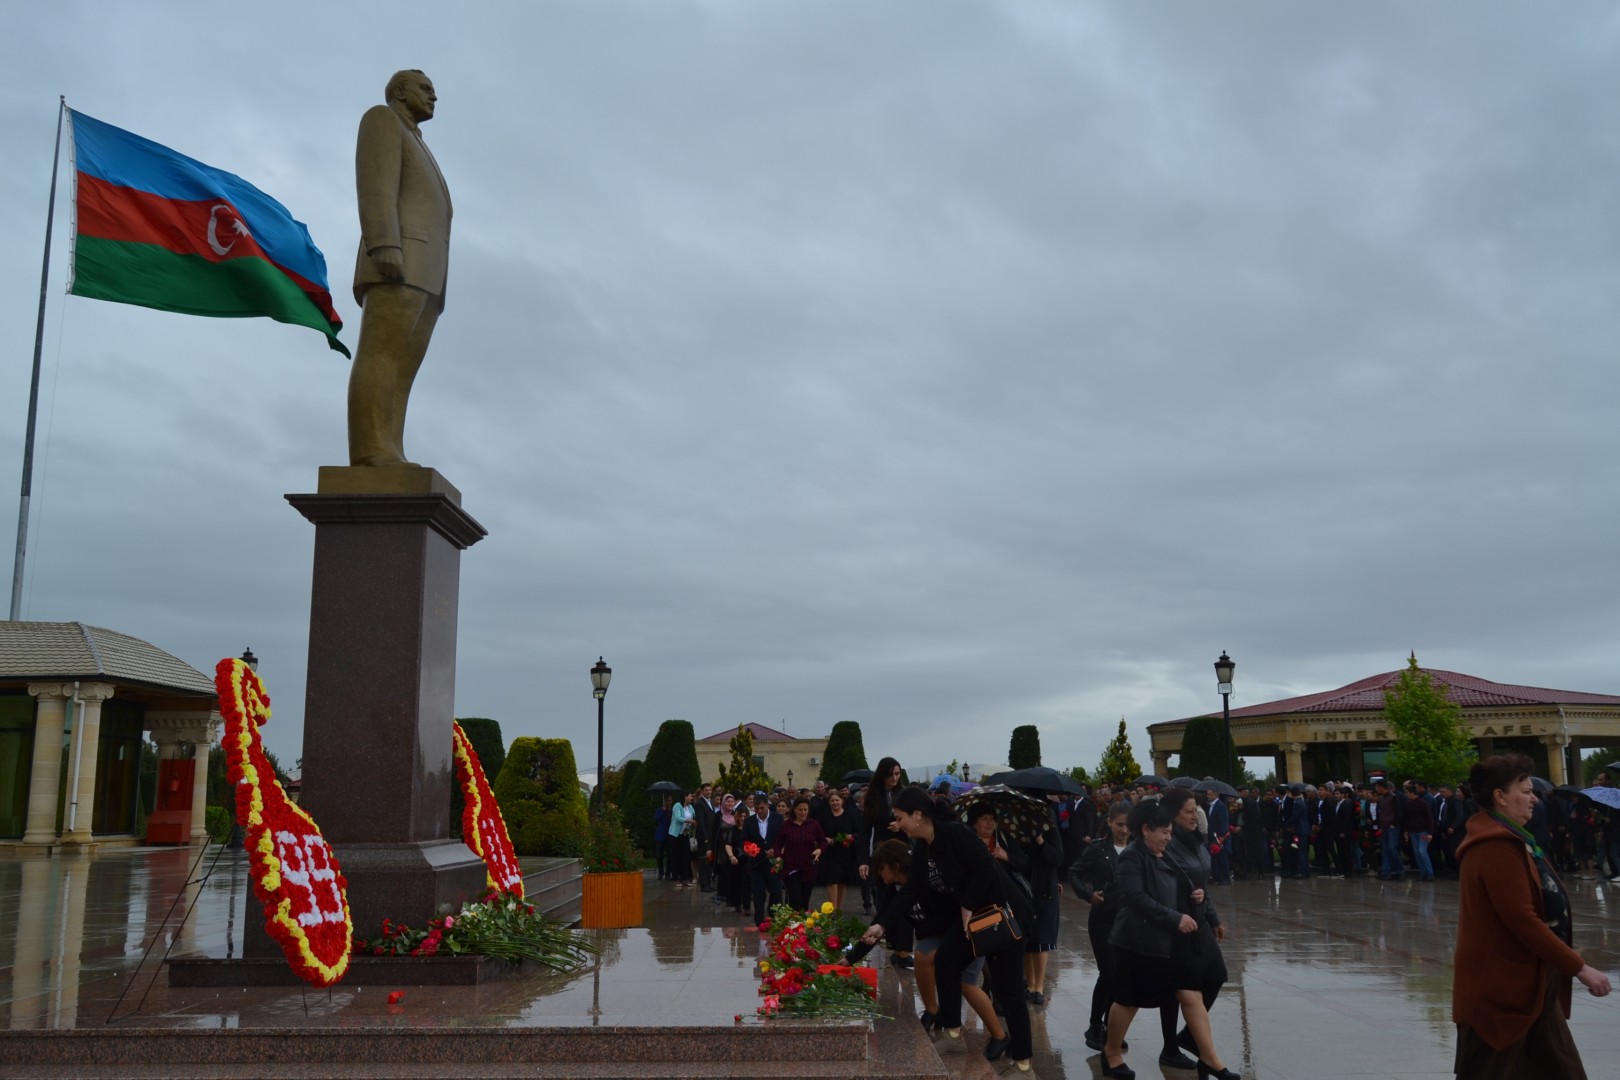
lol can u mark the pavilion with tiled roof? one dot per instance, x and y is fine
(1340, 734)
(96, 693)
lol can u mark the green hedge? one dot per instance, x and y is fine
(538, 790)
(672, 756)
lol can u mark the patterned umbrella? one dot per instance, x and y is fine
(1022, 817)
(1608, 796)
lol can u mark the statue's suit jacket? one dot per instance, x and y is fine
(404, 203)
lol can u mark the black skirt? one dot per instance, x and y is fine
(1142, 981)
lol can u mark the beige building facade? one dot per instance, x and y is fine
(76, 703)
(777, 752)
(1340, 734)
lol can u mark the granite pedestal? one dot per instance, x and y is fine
(380, 699)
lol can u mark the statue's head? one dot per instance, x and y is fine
(413, 89)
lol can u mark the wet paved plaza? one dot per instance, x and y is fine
(1329, 977)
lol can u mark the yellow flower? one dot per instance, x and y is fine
(764, 965)
(827, 908)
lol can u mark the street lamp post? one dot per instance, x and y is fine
(1223, 686)
(791, 788)
(601, 675)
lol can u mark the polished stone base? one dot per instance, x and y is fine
(390, 971)
(380, 696)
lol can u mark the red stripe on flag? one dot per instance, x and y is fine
(113, 212)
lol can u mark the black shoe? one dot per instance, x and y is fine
(1172, 1058)
(995, 1048)
(1185, 1040)
(1121, 1071)
(1096, 1036)
(905, 962)
(1035, 997)
(929, 1021)
(1205, 1072)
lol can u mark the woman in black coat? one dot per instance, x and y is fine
(877, 812)
(1144, 939)
(947, 857)
(1093, 881)
(1200, 963)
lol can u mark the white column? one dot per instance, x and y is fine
(1295, 763)
(83, 754)
(45, 775)
(1555, 744)
(199, 780)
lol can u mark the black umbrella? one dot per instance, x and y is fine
(1184, 781)
(1151, 780)
(1023, 817)
(1540, 786)
(1039, 778)
(1219, 787)
(1568, 789)
(857, 776)
(665, 787)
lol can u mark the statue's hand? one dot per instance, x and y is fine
(390, 262)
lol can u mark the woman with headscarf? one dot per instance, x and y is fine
(1510, 993)
(728, 852)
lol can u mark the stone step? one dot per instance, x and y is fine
(697, 1067)
(345, 1051)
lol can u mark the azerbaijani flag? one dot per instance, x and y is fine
(161, 230)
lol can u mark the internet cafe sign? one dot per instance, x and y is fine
(1378, 734)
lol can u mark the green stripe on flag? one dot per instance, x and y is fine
(150, 276)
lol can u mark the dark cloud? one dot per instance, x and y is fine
(942, 366)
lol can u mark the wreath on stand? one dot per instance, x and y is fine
(482, 827)
(294, 873)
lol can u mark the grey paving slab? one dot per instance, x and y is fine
(1348, 978)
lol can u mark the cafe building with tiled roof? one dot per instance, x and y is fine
(1341, 734)
(76, 704)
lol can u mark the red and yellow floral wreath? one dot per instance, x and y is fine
(294, 873)
(482, 827)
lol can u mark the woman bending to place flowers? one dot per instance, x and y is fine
(1510, 991)
(948, 858)
(1144, 939)
(799, 845)
(931, 915)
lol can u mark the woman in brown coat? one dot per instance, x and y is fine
(1510, 990)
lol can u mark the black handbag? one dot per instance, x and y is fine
(994, 929)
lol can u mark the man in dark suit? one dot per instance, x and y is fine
(1344, 830)
(762, 829)
(1444, 849)
(705, 820)
(401, 268)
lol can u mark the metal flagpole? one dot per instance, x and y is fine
(33, 385)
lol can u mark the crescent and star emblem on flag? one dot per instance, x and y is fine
(236, 228)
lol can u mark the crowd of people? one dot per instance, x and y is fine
(1143, 863)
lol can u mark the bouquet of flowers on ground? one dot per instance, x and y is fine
(498, 925)
(805, 974)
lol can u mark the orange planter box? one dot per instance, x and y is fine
(610, 901)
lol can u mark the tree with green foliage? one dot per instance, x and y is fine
(673, 757)
(1118, 764)
(845, 753)
(743, 774)
(485, 736)
(1024, 751)
(538, 792)
(1203, 749)
(1427, 738)
(1079, 774)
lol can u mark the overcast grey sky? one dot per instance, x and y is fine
(943, 366)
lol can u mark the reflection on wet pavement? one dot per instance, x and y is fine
(1349, 978)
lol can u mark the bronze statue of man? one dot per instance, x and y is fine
(399, 274)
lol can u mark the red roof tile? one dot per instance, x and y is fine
(760, 732)
(1466, 690)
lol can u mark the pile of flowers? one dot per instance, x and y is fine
(500, 924)
(805, 974)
